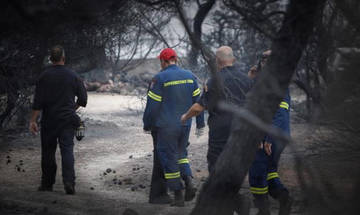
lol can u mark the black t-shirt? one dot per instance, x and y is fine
(55, 95)
(235, 86)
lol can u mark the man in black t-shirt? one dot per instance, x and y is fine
(235, 85)
(54, 98)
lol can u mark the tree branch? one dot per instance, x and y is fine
(248, 19)
(224, 182)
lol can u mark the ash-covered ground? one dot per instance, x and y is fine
(113, 165)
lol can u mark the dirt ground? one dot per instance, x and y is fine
(113, 165)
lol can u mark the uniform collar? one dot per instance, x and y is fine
(57, 66)
(169, 67)
(227, 68)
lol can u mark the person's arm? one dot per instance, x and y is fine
(33, 127)
(200, 121)
(199, 106)
(194, 110)
(154, 98)
(36, 108)
(81, 94)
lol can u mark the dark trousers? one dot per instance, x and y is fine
(49, 140)
(158, 182)
(214, 150)
(171, 148)
(218, 136)
(263, 176)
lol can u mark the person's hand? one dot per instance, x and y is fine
(267, 148)
(183, 119)
(33, 127)
(252, 72)
(199, 132)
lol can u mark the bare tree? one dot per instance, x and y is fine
(89, 31)
(202, 12)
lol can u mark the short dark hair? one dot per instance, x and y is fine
(56, 53)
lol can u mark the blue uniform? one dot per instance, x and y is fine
(172, 93)
(158, 182)
(263, 176)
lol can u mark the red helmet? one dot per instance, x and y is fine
(167, 54)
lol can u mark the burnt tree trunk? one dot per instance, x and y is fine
(200, 16)
(217, 194)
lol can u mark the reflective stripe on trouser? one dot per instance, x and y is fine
(184, 167)
(172, 142)
(259, 190)
(262, 178)
(172, 175)
(272, 175)
(274, 184)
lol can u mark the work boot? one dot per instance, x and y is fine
(69, 189)
(45, 188)
(179, 199)
(262, 203)
(190, 190)
(163, 199)
(285, 203)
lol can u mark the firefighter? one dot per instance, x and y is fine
(55, 98)
(263, 177)
(158, 189)
(171, 93)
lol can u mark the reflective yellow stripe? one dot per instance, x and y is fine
(172, 83)
(258, 190)
(182, 161)
(272, 175)
(196, 92)
(284, 105)
(154, 96)
(172, 175)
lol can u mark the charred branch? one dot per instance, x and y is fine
(218, 192)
